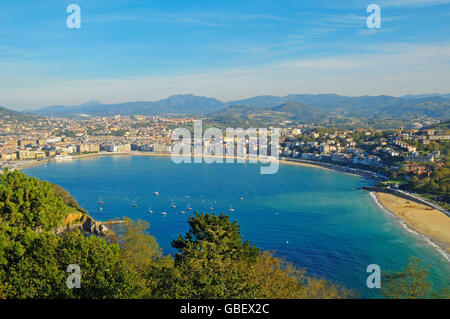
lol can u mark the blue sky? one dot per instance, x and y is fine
(128, 50)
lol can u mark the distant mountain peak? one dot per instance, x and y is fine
(296, 106)
(186, 97)
(91, 103)
(175, 104)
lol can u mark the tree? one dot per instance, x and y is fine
(216, 232)
(213, 262)
(29, 203)
(277, 279)
(433, 146)
(29, 212)
(142, 255)
(212, 259)
(104, 274)
(41, 270)
(34, 258)
(138, 249)
(409, 283)
(66, 197)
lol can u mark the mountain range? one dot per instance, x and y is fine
(245, 115)
(176, 104)
(266, 109)
(308, 107)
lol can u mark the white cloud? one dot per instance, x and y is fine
(394, 70)
(412, 3)
(212, 18)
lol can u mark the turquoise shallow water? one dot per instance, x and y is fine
(332, 229)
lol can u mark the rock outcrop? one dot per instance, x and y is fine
(85, 223)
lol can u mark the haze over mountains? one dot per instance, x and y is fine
(15, 115)
(307, 107)
(176, 104)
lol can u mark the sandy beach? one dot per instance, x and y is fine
(91, 155)
(425, 220)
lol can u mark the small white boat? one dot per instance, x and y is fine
(214, 202)
(150, 210)
(186, 196)
(231, 209)
(212, 208)
(182, 212)
(156, 193)
(173, 205)
(242, 198)
(163, 213)
(188, 207)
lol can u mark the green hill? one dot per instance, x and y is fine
(380, 111)
(14, 116)
(212, 260)
(248, 115)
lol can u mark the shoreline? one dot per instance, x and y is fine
(336, 167)
(416, 226)
(429, 224)
(298, 162)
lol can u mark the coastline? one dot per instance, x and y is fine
(335, 167)
(437, 234)
(298, 162)
(430, 224)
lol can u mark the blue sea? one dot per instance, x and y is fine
(312, 217)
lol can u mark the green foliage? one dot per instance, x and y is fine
(410, 283)
(34, 259)
(27, 203)
(435, 187)
(138, 249)
(217, 233)
(142, 256)
(8, 115)
(213, 262)
(67, 198)
(118, 133)
(212, 259)
(41, 270)
(276, 279)
(440, 180)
